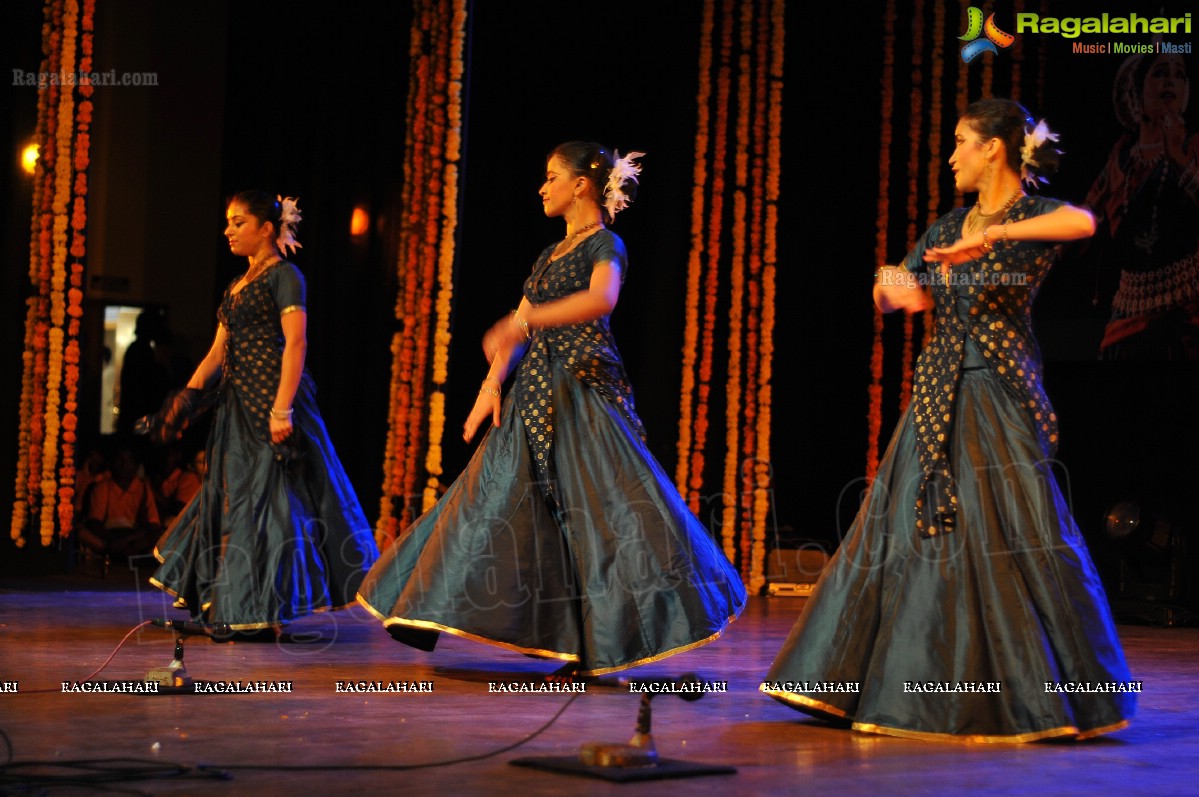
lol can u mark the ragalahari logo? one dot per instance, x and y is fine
(993, 39)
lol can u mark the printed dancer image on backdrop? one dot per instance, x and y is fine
(563, 538)
(964, 586)
(1146, 201)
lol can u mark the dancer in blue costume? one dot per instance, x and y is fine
(563, 538)
(276, 531)
(963, 604)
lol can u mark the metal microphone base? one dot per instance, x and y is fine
(174, 674)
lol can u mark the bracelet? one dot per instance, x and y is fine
(986, 244)
(521, 323)
(1007, 236)
(487, 388)
(885, 268)
(281, 415)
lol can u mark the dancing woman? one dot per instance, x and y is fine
(563, 538)
(276, 531)
(963, 596)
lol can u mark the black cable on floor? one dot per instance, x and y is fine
(98, 774)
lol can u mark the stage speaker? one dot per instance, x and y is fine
(795, 571)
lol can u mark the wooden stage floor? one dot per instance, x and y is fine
(62, 629)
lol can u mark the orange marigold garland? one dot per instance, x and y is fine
(696, 256)
(712, 279)
(730, 532)
(420, 347)
(752, 534)
(874, 423)
(738, 178)
(915, 140)
(50, 363)
(762, 465)
(29, 385)
(74, 310)
(445, 264)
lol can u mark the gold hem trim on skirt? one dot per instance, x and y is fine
(1018, 738)
(428, 625)
(806, 703)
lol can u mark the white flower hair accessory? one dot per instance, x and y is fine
(623, 170)
(1032, 140)
(289, 218)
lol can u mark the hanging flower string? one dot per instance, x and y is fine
(736, 542)
(48, 411)
(762, 465)
(712, 258)
(445, 262)
(753, 534)
(874, 416)
(695, 257)
(425, 263)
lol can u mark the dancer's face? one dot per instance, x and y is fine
(245, 233)
(1165, 90)
(558, 190)
(969, 160)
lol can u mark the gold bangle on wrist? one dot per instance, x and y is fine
(986, 243)
(486, 387)
(281, 415)
(521, 324)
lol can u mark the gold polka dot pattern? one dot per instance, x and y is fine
(586, 350)
(254, 345)
(990, 301)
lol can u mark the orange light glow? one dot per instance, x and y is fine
(359, 222)
(29, 157)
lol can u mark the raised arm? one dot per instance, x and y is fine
(1067, 223)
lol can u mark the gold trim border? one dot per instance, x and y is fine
(808, 704)
(429, 625)
(805, 703)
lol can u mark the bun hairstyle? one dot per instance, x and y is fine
(261, 206)
(1028, 144)
(281, 212)
(614, 177)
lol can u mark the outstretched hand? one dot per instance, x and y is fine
(486, 404)
(962, 251)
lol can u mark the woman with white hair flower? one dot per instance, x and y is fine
(563, 538)
(276, 531)
(963, 594)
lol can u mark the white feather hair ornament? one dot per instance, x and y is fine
(289, 218)
(623, 170)
(1032, 140)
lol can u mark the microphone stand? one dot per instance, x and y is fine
(638, 752)
(174, 674)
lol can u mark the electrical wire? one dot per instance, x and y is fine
(104, 774)
(398, 767)
(98, 670)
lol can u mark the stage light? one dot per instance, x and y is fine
(1155, 565)
(29, 157)
(1122, 520)
(360, 222)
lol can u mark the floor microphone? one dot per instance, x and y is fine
(189, 627)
